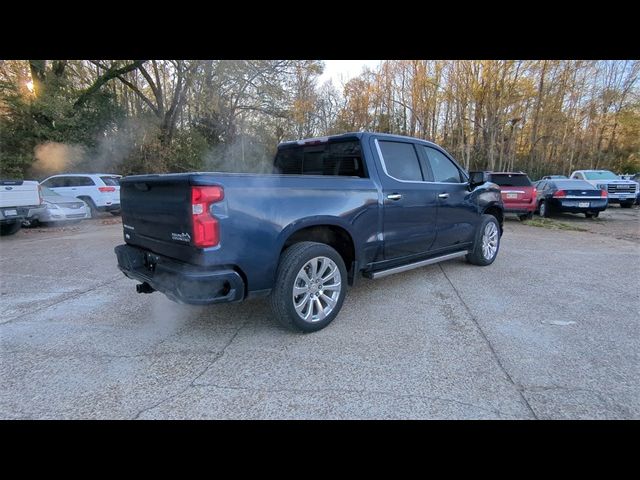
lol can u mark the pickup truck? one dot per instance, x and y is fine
(18, 198)
(334, 208)
(618, 190)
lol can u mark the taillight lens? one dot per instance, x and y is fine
(107, 189)
(534, 194)
(604, 194)
(206, 231)
(560, 194)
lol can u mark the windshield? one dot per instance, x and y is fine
(47, 192)
(511, 179)
(573, 184)
(601, 175)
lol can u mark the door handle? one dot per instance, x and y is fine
(443, 195)
(394, 196)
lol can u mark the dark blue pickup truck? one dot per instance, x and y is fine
(335, 208)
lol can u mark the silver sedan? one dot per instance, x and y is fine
(59, 209)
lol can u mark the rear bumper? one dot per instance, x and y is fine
(181, 282)
(521, 209)
(7, 216)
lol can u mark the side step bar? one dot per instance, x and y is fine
(411, 266)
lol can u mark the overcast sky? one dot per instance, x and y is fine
(341, 71)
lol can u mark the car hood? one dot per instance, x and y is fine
(60, 199)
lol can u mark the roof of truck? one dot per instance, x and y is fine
(356, 135)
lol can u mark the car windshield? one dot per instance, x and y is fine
(47, 192)
(110, 181)
(601, 175)
(511, 179)
(573, 184)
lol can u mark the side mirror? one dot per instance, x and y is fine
(478, 178)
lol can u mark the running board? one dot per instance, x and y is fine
(411, 266)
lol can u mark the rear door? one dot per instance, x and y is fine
(457, 214)
(410, 203)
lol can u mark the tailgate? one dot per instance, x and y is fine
(517, 194)
(156, 211)
(16, 193)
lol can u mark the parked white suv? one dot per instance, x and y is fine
(101, 191)
(619, 191)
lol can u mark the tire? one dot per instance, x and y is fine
(92, 206)
(293, 271)
(30, 223)
(626, 204)
(526, 216)
(479, 254)
(588, 215)
(10, 228)
(596, 214)
(544, 209)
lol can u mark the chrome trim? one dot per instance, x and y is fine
(422, 263)
(443, 195)
(513, 191)
(577, 197)
(394, 196)
(384, 167)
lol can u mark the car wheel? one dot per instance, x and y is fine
(588, 215)
(310, 287)
(487, 242)
(544, 209)
(526, 216)
(10, 228)
(92, 206)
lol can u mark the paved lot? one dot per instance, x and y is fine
(550, 330)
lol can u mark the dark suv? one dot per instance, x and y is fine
(518, 193)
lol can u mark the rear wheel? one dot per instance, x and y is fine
(310, 286)
(544, 209)
(487, 242)
(10, 228)
(91, 205)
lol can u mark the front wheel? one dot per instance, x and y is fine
(310, 286)
(487, 242)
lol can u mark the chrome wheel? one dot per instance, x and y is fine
(316, 289)
(543, 209)
(490, 241)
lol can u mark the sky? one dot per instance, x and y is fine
(341, 71)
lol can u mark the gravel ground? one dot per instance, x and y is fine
(550, 330)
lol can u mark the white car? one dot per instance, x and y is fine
(619, 191)
(101, 191)
(59, 209)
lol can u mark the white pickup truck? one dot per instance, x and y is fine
(18, 198)
(618, 190)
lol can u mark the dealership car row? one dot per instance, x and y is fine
(74, 197)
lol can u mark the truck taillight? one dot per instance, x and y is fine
(107, 189)
(604, 194)
(560, 194)
(206, 231)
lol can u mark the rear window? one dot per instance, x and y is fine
(110, 181)
(511, 179)
(573, 184)
(601, 175)
(341, 158)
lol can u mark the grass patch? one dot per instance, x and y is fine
(552, 224)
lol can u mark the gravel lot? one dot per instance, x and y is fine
(550, 330)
